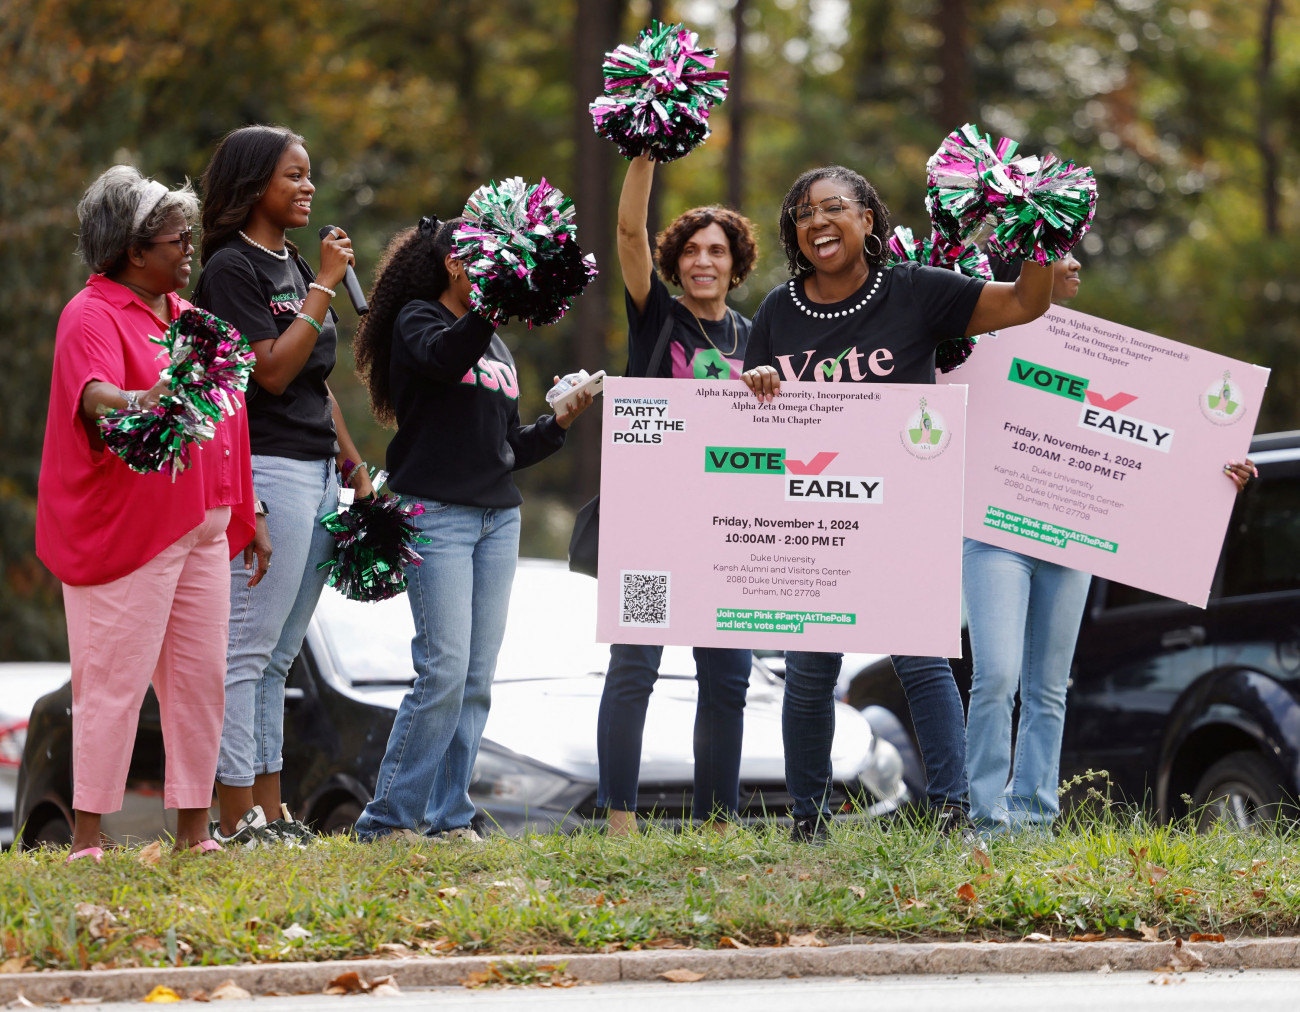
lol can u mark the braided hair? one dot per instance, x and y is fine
(413, 266)
(859, 189)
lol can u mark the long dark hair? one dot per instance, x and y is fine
(238, 174)
(413, 266)
(861, 190)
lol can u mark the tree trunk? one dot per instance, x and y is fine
(954, 61)
(736, 110)
(595, 33)
(1263, 134)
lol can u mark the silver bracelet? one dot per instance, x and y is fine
(132, 399)
(321, 288)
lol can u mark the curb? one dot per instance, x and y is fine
(875, 959)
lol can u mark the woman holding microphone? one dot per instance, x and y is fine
(257, 188)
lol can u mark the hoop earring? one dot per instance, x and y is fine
(810, 268)
(880, 246)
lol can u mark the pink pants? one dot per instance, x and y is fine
(164, 622)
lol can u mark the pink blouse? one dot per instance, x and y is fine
(96, 519)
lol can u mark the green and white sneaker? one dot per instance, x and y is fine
(290, 830)
(250, 831)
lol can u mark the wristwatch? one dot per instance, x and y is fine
(260, 508)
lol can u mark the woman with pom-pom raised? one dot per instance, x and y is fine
(256, 189)
(707, 252)
(438, 370)
(144, 558)
(847, 317)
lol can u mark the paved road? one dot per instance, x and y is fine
(1210, 991)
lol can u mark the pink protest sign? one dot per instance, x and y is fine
(829, 519)
(1101, 448)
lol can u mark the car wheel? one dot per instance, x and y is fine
(53, 832)
(339, 820)
(1241, 789)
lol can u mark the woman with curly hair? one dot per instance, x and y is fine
(846, 316)
(707, 251)
(439, 371)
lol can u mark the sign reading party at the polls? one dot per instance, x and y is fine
(827, 519)
(1101, 448)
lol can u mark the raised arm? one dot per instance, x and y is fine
(1003, 304)
(633, 238)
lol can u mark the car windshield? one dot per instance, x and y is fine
(551, 631)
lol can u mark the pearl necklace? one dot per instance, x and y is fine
(282, 255)
(843, 312)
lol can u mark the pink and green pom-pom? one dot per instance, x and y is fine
(1029, 207)
(937, 252)
(374, 542)
(658, 94)
(520, 250)
(209, 365)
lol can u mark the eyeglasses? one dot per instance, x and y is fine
(185, 238)
(831, 208)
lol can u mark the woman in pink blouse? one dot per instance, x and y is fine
(143, 559)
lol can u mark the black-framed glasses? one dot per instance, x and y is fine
(185, 238)
(831, 207)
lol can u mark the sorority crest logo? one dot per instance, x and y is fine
(925, 434)
(1222, 401)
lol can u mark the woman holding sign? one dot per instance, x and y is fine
(1024, 620)
(708, 251)
(847, 317)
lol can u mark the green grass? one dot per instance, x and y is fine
(585, 893)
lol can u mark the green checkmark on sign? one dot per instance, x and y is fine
(829, 367)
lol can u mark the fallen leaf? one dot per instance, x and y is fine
(966, 892)
(98, 920)
(858, 891)
(162, 994)
(442, 944)
(385, 987)
(912, 902)
(1105, 968)
(199, 995)
(742, 878)
(982, 859)
(682, 976)
(229, 991)
(347, 983)
(479, 978)
(700, 870)
(542, 884)
(1164, 979)
(295, 931)
(395, 949)
(1037, 936)
(1205, 936)
(804, 876)
(1149, 934)
(664, 942)
(807, 941)
(1154, 873)
(148, 943)
(1184, 959)
(727, 942)
(447, 892)
(1090, 936)
(1259, 894)
(599, 901)
(14, 964)
(149, 856)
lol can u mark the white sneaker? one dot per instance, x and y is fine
(250, 830)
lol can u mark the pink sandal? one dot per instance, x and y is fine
(96, 852)
(206, 847)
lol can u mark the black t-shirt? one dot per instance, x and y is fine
(889, 339)
(697, 349)
(456, 396)
(258, 294)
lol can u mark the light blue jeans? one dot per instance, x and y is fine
(268, 622)
(459, 596)
(1024, 619)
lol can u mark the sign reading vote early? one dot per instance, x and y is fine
(829, 519)
(1102, 448)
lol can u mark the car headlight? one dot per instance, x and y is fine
(882, 774)
(510, 780)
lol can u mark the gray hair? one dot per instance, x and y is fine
(108, 211)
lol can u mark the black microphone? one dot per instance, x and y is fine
(350, 281)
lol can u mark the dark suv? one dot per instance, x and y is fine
(1181, 704)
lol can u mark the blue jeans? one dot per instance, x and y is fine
(808, 727)
(459, 596)
(1024, 620)
(268, 622)
(723, 679)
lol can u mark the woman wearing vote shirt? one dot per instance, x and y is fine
(256, 189)
(1024, 616)
(846, 317)
(708, 251)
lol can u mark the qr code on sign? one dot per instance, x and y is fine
(644, 598)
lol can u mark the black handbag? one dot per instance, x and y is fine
(584, 544)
